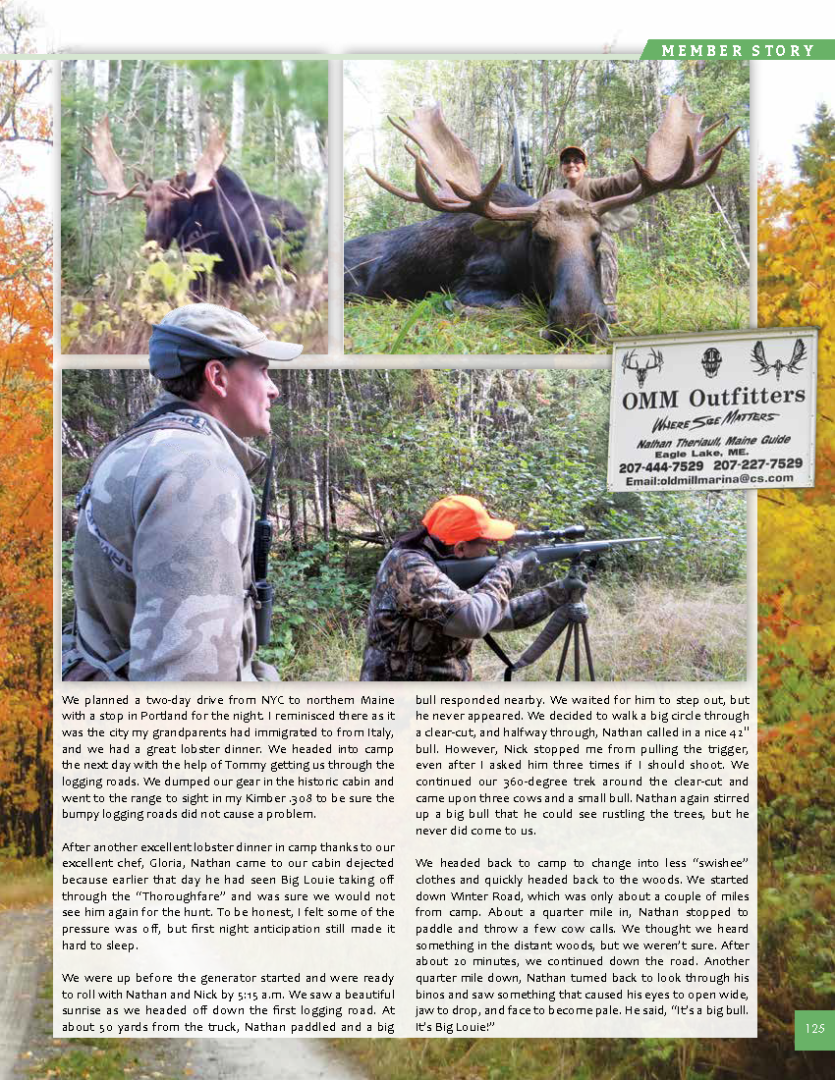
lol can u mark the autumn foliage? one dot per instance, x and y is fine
(25, 465)
(797, 527)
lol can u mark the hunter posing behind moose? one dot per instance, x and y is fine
(492, 244)
(211, 209)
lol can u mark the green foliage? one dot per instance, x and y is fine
(117, 315)
(691, 245)
(313, 594)
(817, 152)
(67, 594)
(369, 211)
(96, 1059)
(150, 104)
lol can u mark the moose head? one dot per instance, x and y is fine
(165, 200)
(563, 229)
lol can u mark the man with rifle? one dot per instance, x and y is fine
(167, 583)
(421, 625)
(438, 590)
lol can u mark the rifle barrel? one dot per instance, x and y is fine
(468, 572)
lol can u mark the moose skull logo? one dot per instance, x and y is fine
(711, 361)
(655, 361)
(793, 366)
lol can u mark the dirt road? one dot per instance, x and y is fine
(24, 937)
(24, 958)
(265, 1059)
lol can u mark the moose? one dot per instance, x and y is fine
(211, 209)
(492, 244)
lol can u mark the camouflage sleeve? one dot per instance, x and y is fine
(603, 187)
(486, 605)
(533, 607)
(420, 591)
(187, 565)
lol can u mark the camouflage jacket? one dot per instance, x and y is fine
(163, 548)
(414, 607)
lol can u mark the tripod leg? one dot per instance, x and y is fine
(565, 645)
(588, 652)
(576, 629)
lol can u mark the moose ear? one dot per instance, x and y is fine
(487, 229)
(179, 181)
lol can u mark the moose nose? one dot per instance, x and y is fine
(590, 326)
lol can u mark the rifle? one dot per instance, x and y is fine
(468, 572)
(261, 542)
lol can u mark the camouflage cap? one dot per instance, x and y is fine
(189, 335)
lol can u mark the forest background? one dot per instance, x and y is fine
(275, 116)
(683, 267)
(363, 455)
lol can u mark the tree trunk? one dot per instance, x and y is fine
(236, 135)
(326, 461)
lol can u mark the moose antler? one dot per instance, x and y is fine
(674, 158)
(454, 169)
(209, 161)
(759, 359)
(798, 354)
(109, 164)
(111, 168)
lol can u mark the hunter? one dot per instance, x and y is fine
(421, 626)
(574, 165)
(163, 552)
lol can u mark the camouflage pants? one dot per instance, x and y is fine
(608, 255)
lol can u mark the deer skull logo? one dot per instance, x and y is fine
(653, 362)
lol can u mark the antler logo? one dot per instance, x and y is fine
(793, 366)
(653, 362)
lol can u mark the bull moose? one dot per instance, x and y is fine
(211, 209)
(493, 244)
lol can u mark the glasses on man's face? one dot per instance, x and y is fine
(573, 161)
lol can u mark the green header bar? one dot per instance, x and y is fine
(739, 49)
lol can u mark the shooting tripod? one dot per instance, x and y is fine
(572, 615)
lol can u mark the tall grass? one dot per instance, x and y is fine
(639, 631)
(444, 327)
(24, 881)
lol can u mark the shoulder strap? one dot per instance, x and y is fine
(140, 427)
(509, 666)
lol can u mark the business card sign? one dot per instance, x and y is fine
(726, 410)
